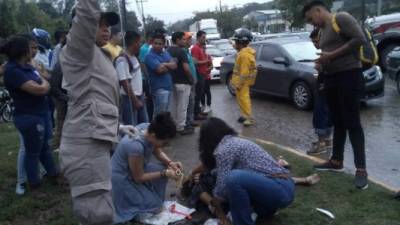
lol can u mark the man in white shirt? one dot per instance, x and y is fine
(130, 78)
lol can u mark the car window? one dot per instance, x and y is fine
(269, 52)
(302, 51)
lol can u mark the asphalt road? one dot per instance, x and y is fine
(278, 121)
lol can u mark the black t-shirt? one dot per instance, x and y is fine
(178, 75)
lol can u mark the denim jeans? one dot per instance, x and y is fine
(161, 101)
(131, 116)
(249, 191)
(322, 121)
(190, 109)
(21, 172)
(36, 133)
(198, 95)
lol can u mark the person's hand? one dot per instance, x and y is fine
(175, 166)
(324, 57)
(172, 174)
(137, 103)
(129, 130)
(318, 67)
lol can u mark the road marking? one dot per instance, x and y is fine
(315, 159)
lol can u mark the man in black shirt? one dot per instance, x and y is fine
(183, 80)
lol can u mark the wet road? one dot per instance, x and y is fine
(278, 121)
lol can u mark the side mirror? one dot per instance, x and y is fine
(281, 60)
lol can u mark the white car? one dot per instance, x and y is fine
(217, 56)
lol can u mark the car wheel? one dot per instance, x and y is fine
(231, 89)
(383, 56)
(301, 95)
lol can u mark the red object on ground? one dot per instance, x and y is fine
(172, 209)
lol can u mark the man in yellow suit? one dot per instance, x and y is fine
(244, 74)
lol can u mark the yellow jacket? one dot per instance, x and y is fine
(245, 70)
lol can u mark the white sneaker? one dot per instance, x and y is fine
(20, 189)
(207, 109)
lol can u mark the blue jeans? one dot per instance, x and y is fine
(250, 191)
(161, 101)
(322, 121)
(36, 133)
(131, 116)
(190, 110)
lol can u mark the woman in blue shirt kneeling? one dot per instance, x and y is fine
(248, 178)
(138, 184)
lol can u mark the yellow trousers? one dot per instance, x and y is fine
(244, 101)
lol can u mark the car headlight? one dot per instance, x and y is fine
(379, 73)
(316, 75)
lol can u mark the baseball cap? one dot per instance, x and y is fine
(111, 18)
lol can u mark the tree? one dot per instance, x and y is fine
(8, 16)
(251, 24)
(181, 25)
(228, 22)
(132, 21)
(153, 24)
(292, 10)
(110, 5)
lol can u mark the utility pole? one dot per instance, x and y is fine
(123, 20)
(363, 12)
(143, 16)
(379, 6)
(220, 6)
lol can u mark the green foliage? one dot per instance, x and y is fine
(292, 10)
(21, 16)
(153, 23)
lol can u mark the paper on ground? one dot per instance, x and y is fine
(166, 216)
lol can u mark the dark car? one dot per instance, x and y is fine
(393, 68)
(286, 69)
(386, 32)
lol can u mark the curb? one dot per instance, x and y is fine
(317, 160)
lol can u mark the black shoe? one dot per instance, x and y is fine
(361, 180)
(241, 119)
(186, 131)
(329, 166)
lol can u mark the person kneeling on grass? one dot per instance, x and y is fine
(138, 184)
(247, 177)
(198, 187)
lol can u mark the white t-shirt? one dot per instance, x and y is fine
(135, 76)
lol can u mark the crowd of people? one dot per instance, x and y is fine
(131, 101)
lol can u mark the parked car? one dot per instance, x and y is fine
(286, 69)
(217, 56)
(393, 67)
(386, 32)
(292, 35)
(224, 45)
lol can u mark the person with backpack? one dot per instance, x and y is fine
(343, 83)
(131, 80)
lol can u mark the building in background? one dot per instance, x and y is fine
(267, 21)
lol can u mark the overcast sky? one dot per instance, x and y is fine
(173, 10)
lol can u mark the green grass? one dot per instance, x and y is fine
(335, 192)
(50, 206)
